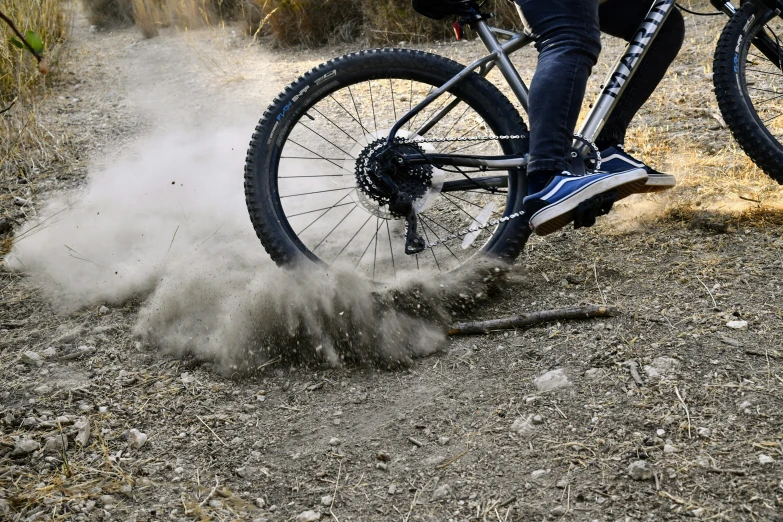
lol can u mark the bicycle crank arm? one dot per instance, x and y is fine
(486, 183)
(459, 160)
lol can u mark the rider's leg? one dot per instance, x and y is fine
(568, 41)
(621, 18)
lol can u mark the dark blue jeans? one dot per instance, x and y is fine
(568, 42)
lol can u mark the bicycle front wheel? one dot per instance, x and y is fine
(749, 84)
(308, 200)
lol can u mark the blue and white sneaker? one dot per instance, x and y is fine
(615, 159)
(559, 202)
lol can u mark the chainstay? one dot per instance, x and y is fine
(492, 222)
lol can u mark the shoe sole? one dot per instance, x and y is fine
(658, 184)
(554, 217)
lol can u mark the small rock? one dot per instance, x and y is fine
(334, 441)
(217, 504)
(5, 508)
(660, 432)
(665, 364)
(443, 441)
(327, 500)
(562, 483)
(49, 352)
(25, 446)
(260, 503)
(308, 516)
(668, 448)
(136, 439)
(107, 499)
(187, 378)
(745, 405)
(56, 444)
(737, 325)
(103, 310)
(31, 358)
(83, 431)
(537, 419)
(557, 511)
(434, 460)
(442, 491)
(704, 433)
(593, 374)
(523, 426)
(640, 470)
(126, 489)
(248, 472)
(539, 473)
(766, 459)
(381, 466)
(89, 505)
(236, 441)
(553, 380)
(393, 489)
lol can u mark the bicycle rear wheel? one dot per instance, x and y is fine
(748, 83)
(307, 201)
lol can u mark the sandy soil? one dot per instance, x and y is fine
(667, 412)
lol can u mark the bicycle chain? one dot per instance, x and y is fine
(493, 222)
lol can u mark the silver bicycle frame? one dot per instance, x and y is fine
(498, 56)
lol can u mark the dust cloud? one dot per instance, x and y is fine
(166, 222)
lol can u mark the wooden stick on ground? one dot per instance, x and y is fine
(518, 321)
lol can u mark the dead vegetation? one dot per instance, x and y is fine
(288, 22)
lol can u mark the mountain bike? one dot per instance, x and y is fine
(390, 161)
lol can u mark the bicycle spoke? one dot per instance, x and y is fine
(391, 250)
(372, 104)
(316, 192)
(358, 116)
(443, 244)
(322, 157)
(319, 159)
(337, 126)
(335, 228)
(394, 106)
(328, 141)
(352, 238)
(427, 237)
(326, 211)
(349, 114)
(325, 208)
(377, 219)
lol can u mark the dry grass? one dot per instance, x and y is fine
(289, 22)
(18, 69)
(148, 15)
(109, 13)
(23, 142)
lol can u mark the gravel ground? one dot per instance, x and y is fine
(669, 411)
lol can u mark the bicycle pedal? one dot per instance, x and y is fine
(590, 209)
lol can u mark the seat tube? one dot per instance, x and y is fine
(502, 61)
(625, 67)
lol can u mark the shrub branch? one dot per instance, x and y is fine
(21, 38)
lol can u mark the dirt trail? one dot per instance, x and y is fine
(693, 431)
